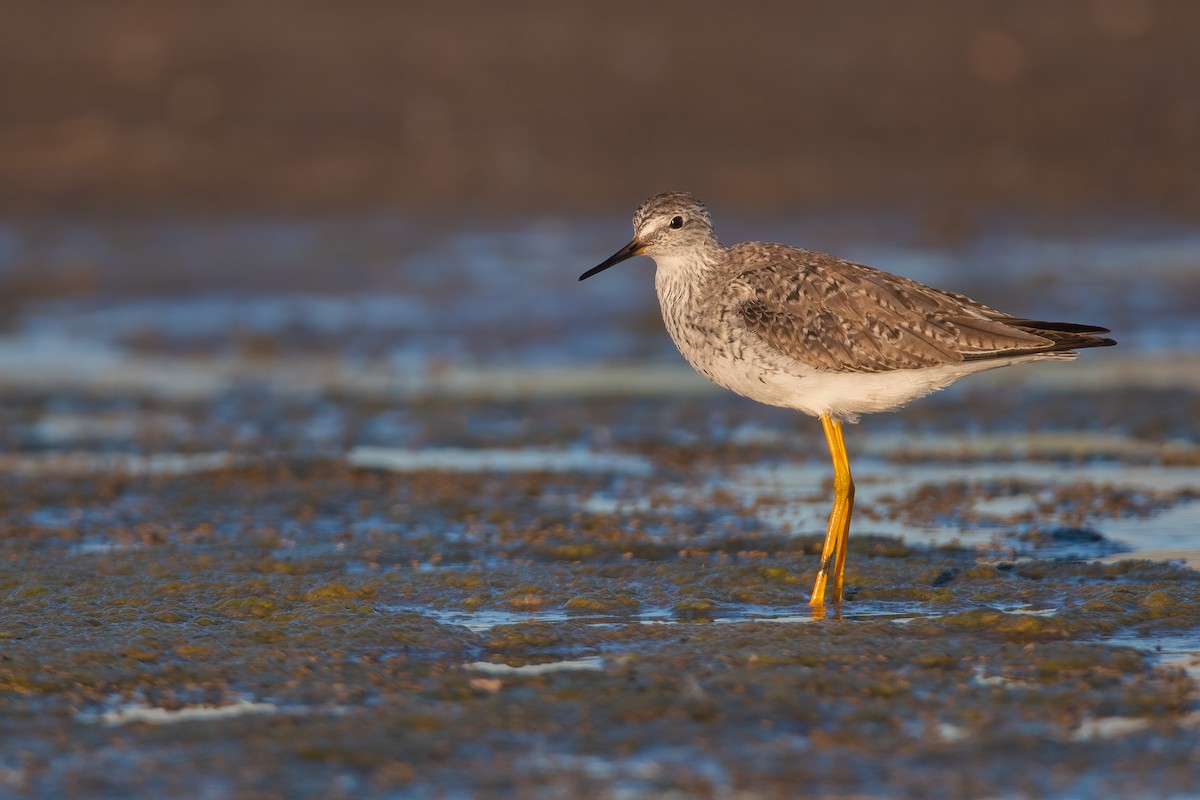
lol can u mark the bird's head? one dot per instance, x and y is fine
(670, 224)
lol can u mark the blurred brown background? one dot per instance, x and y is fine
(486, 108)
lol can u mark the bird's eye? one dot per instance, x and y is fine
(677, 222)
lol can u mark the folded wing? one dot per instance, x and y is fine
(840, 316)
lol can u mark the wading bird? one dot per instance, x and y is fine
(825, 336)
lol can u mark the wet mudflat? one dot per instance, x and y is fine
(595, 597)
(460, 531)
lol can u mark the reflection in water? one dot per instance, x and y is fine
(122, 712)
(571, 665)
(485, 620)
(456, 459)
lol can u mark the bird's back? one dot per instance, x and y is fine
(836, 315)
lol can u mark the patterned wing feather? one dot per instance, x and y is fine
(840, 316)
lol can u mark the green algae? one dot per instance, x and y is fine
(604, 602)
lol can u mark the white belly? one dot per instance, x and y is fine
(777, 380)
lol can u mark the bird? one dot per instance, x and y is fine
(822, 335)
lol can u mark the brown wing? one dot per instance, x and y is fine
(837, 315)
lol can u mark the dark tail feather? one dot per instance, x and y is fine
(1038, 326)
(1064, 337)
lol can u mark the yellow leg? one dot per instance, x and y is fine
(833, 554)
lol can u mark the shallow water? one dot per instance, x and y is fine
(1180, 650)
(989, 521)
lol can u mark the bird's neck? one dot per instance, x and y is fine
(694, 266)
(682, 279)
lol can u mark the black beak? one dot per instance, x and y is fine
(628, 251)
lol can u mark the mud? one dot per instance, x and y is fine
(290, 624)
